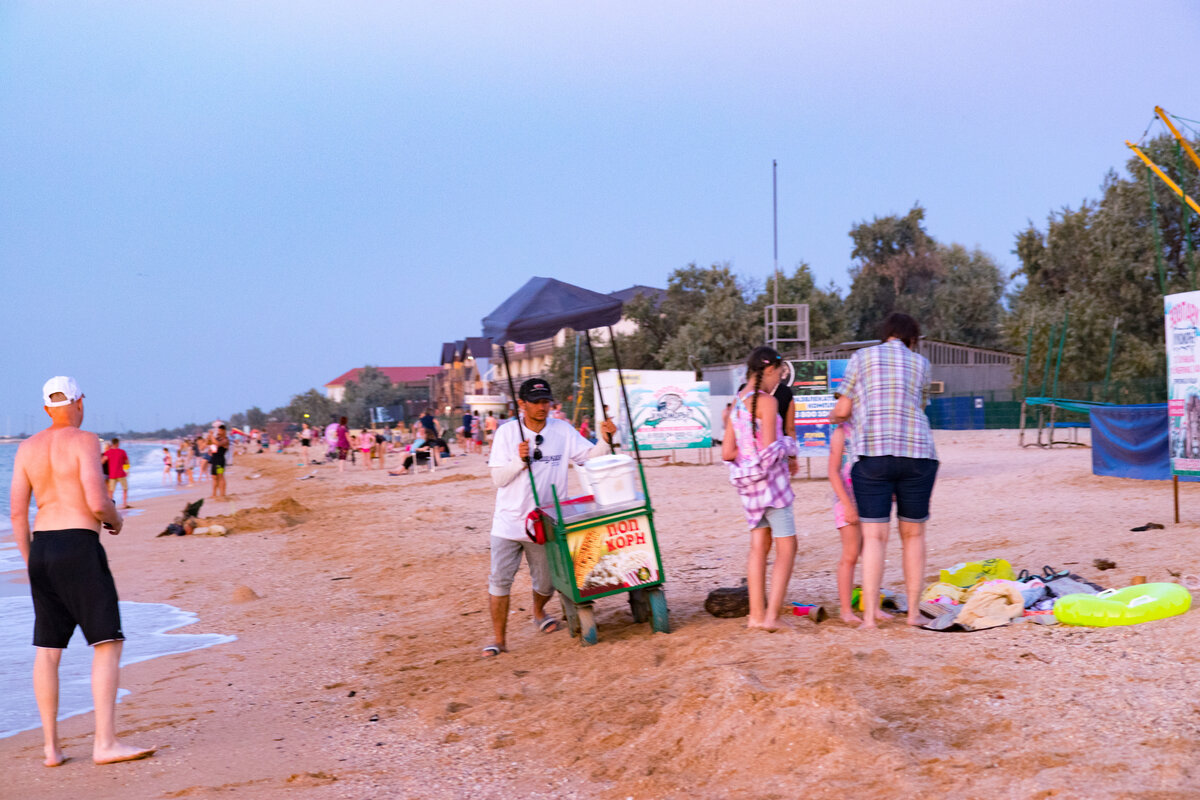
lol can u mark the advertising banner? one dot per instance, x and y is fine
(1182, 315)
(669, 409)
(814, 384)
(613, 556)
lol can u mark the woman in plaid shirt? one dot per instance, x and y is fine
(758, 450)
(884, 392)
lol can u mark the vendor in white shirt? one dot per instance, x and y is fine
(546, 447)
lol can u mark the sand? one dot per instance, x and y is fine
(359, 605)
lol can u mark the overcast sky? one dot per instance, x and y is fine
(213, 205)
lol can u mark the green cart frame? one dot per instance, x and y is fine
(539, 310)
(646, 599)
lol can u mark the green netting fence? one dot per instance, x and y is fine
(1002, 408)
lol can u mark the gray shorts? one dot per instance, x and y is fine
(506, 559)
(781, 521)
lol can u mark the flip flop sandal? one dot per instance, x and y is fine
(548, 625)
(492, 650)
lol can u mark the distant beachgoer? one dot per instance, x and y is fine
(366, 444)
(558, 412)
(884, 391)
(490, 424)
(585, 430)
(477, 427)
(219, 449)
(331, 437)
(756, 445)
(118, 469)
(306, 437)
(166, 476)
(421, 451)
(468, 435)
(69, 576)
(342, 434)
(429, 423)
(180, 464)
(544, 446)
(190, 460)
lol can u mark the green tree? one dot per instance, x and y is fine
(1097, 263)
(255, 417)
(955, 293)
(713, 320)
(373, 388)
(312, 407)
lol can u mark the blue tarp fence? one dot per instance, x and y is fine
(1131, 442)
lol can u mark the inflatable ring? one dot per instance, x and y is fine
(1129, 606)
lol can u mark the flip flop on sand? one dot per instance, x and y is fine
(547, 624)
(492, 650)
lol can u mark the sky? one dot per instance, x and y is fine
(206, 206)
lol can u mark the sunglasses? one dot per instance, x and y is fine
(537, 449)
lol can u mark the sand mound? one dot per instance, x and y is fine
(244, 594)
(283, 513)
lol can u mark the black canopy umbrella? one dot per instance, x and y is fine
(544, 306)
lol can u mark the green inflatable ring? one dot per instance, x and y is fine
(1128, 606)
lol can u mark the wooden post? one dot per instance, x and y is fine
(1175, 484)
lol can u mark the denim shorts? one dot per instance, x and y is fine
(781, 521)
(878, 479)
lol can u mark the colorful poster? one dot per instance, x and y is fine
(1182, 313)
(814, 384)
(669, 410)
(613, 556)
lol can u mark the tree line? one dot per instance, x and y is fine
(1087, 266)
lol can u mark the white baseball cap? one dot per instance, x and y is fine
(64, 385)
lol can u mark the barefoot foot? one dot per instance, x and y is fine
(54, 758)
(849, 617)
(121, 752)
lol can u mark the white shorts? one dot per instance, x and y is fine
(506, 559)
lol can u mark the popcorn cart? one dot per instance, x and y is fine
(601, 544)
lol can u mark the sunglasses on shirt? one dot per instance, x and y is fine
(537, 449)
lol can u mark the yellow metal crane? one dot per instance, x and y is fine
(1163, 176)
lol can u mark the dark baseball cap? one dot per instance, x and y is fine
(535, 389)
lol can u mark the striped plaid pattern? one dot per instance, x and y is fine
(888, 385)
(775, 491)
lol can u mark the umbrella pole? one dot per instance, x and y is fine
(599, 389)
(625, 396)
(517, 413)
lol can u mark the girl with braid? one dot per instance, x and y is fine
(758, 451)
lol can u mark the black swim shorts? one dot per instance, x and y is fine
(72, 585)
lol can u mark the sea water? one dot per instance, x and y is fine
(145, 624)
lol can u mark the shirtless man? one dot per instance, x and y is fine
(68, 571)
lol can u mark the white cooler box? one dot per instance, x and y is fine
(613, 479)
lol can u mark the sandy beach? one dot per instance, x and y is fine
(359, 599)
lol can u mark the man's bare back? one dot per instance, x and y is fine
(62, 467)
